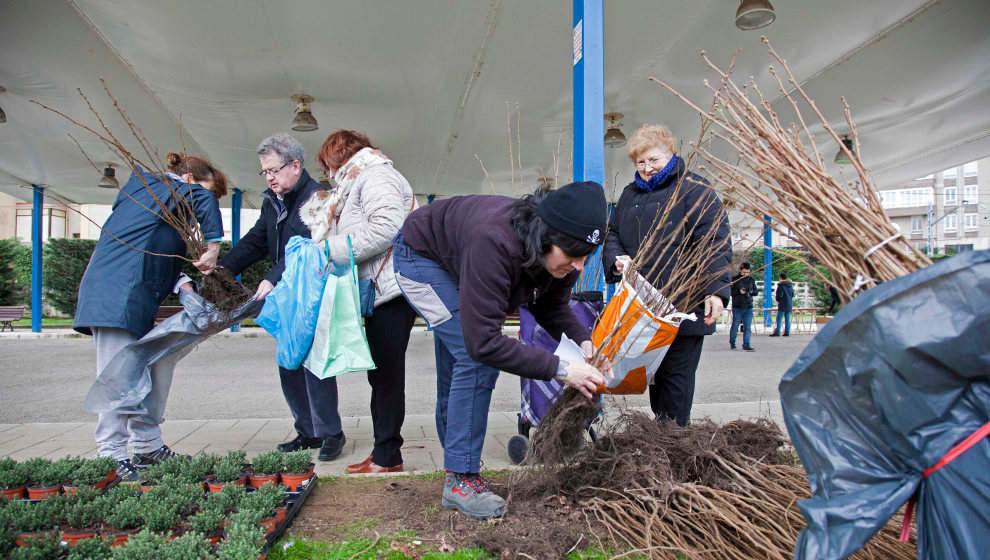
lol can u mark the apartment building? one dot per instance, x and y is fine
(945, 212)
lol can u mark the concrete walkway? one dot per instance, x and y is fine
(226, 395)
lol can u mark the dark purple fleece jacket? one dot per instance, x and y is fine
(472, 238)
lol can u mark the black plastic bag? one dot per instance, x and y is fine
(891, 384)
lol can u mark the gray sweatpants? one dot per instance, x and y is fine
(115, 429)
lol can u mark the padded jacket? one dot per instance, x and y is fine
(268, 236)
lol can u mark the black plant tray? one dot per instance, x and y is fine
(294, 501)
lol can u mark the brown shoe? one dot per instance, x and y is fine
(368, 466)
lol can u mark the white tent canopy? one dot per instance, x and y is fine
(433, 82)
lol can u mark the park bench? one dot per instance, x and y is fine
(166, 311)
(9, 314)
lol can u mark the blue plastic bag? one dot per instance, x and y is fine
(293, 306)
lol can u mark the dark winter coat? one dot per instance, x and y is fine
(634, 217)
(472, 238)
(269, 235)
(785, 295)
(743, 290)
(123, 287)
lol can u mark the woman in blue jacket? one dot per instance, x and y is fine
(134, 267)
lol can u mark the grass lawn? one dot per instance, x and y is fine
(396, 547)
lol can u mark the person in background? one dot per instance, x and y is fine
(833, 305)
(785, 303)
(465, 264)
(124, 284)
(743, 289)
(369, 204)
(313, 401)
(698, 213)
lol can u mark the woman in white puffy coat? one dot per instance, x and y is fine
(369, 203)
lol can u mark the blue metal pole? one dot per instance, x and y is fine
(235, 229)
(36, 251)
(235, 217)
(589, 107)
(767, 271)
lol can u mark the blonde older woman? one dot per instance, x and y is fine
(652, 149)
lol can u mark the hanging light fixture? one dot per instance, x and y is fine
(304, 121)
(109, 179)
(841, 157)
(754, 14)
(614, 138)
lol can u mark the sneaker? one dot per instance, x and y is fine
(749, 349)
(775, 334)
(143, 460)
(301, 442)
(332, 447)
(732, 347)
(126, 471)
(470, 495)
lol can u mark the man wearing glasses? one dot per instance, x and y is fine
(313, 402)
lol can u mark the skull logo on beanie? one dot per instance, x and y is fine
(577, 210)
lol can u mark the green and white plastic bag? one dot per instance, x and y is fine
(340, 344)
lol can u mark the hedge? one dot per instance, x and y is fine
(15, 273)
(63, 265)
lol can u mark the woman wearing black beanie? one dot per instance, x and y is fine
(467, 262)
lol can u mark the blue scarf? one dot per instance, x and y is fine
(657, 180)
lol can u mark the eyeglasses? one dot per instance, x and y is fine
(653, 162)
(272, 172)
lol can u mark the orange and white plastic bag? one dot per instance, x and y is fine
(636, 337)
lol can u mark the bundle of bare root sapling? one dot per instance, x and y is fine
(219, 287)
(781, 173)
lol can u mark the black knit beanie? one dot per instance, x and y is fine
(577, 210)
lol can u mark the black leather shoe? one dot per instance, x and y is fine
(332, 447)
(301, 442)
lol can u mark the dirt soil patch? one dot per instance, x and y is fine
(351, 508)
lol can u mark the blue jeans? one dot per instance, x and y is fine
(787, 323)
(745, 318)
(464, 386)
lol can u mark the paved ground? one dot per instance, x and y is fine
(226, 395)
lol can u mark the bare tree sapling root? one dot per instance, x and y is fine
(701, 491)
(222, 289)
